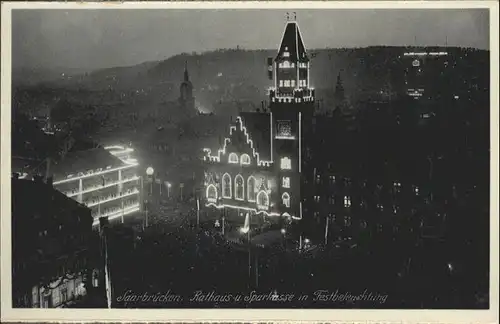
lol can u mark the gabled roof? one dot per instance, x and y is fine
(255, 128)
(292, 42)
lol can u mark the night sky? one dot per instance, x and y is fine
(91, 39)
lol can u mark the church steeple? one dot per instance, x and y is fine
(186, 73)
(339, 89)
(186, 89)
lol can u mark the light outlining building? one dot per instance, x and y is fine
(257, 168)
(103, 179)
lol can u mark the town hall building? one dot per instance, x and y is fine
(256, 172)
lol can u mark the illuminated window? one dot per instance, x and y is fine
(347, 220)
(416, 189)
(281, 83)
(302, 83)
(233, 158)
(316, 199)
(286, 199)
(285, 64)
(286, 182)
(251, 188)
(293, 83)
(292, 65)
(286, 163)
(239, 189)
(262, 200)
(245, 159)
(347, 201)
(286, 54)
(287, 83)
(318, 179)
(211, 193)
(331, 200)
(380, 207)
(397, 186)
(226, 186)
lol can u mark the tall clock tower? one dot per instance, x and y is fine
(292, 107)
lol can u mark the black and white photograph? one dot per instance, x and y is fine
(282, 157)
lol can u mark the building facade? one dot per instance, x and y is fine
(55, 256)
(257, 169)
(106, 181)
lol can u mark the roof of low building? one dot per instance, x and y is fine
(83, 161)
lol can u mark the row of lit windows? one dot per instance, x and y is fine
(347, 203)
(291, 83)
(331, 200)
(239, 191)
(347, 182)
(286, 64)
(291, 65)
(244, 159)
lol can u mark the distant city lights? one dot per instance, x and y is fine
(425, 54)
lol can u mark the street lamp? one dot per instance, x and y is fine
(169, 185)
(283, 232)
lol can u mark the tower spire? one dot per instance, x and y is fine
(186, 73)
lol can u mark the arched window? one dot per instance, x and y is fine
(245, 159)
(233, 158)
(211, 194)
(286, 199)
(226, 186)
(262, 200)
(239, 188)
(251, 188)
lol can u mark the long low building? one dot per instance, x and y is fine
(107, 184)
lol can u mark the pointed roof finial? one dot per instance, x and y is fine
(287, 16)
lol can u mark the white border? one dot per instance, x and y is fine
(192, 315)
